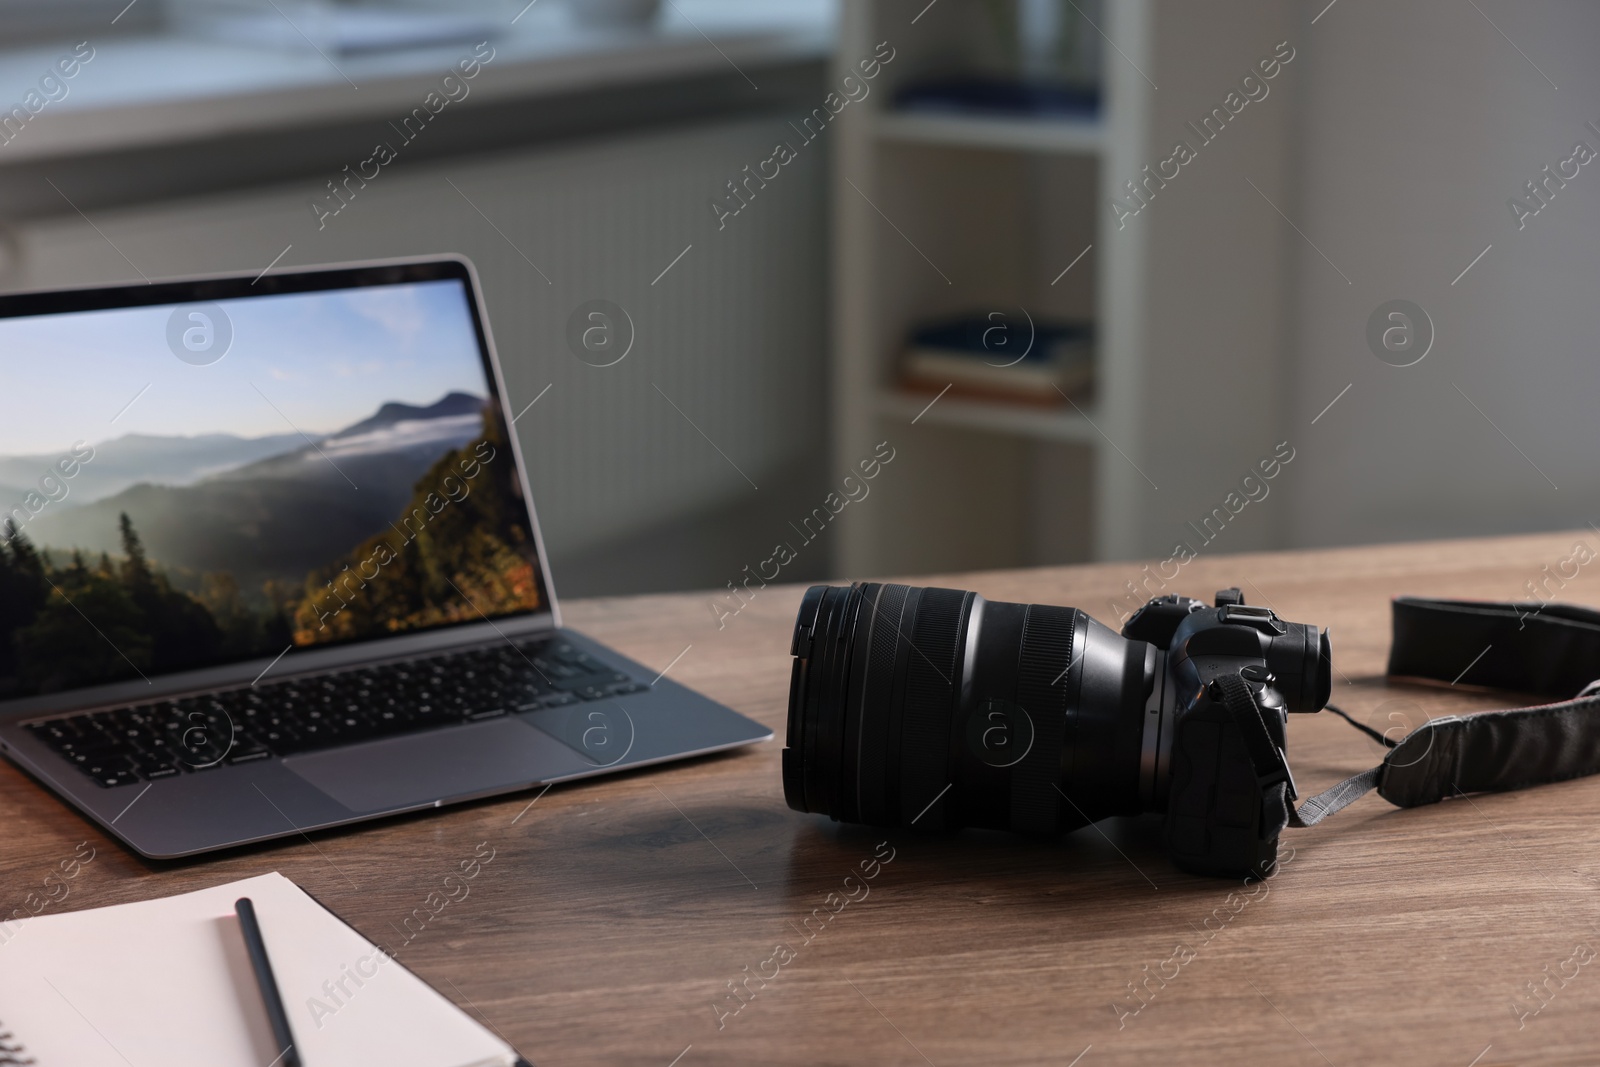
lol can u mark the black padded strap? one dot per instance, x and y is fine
(1493, 752)
(1552, 649)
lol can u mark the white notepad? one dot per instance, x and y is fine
(167, 982)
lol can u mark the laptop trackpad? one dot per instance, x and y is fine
(404, 772)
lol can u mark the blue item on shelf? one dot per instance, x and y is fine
(999, 96)
(997, 338)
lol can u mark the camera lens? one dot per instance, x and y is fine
(938, 708)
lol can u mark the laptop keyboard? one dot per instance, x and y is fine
(165, 739)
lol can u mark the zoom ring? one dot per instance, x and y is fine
(929, 707)
(1042, 687)
(872, 784)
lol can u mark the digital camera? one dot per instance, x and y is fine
(936, 708)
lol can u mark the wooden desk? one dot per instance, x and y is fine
(615, 913)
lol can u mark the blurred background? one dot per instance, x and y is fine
(1107, 279)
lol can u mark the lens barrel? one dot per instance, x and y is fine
(938, 708)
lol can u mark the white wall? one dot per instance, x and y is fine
(1418, 121)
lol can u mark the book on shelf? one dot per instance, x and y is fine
(999, 98)
(1043, 362)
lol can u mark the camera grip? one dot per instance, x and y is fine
(1218, 819)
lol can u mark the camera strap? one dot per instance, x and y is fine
(1550, 649)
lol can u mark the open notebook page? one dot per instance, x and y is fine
(167, 983)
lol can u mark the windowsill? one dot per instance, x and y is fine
(146, 91)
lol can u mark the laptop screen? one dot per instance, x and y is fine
(188, 484)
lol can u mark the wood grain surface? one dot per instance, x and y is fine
(614, 914)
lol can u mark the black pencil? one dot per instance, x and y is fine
(246, 911)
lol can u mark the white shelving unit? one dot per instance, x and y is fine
(951, 214)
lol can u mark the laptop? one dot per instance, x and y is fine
(269, 564)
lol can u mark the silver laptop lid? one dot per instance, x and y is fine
(207, 479)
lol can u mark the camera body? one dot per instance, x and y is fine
(1225, 806)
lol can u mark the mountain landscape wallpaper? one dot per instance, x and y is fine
(338, 474)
